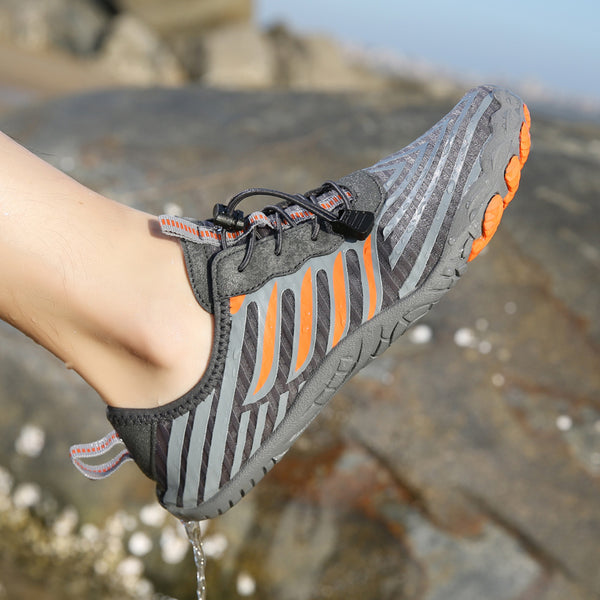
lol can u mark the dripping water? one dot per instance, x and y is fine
(192, 528)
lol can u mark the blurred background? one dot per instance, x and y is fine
(463, 464)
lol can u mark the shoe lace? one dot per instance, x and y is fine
(351, 223)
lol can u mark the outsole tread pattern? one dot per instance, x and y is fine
(512, 177)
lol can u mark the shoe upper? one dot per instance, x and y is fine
(301, 295)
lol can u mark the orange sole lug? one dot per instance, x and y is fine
(512, 177)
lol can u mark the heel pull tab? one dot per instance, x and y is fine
(80, 451)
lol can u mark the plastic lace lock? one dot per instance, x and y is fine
(230, 221)
(354, 223)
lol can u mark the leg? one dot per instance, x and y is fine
(97, 284)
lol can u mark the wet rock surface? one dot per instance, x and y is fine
(463, 464)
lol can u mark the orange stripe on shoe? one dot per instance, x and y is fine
(268, 345)
(512, 176)
(306, 318)
(339, 299)
(235, 303)
(491, 220)
(525, 139)
(527, 115)
(368, 259)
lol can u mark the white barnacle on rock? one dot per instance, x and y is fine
(27, 495)
(6, 482)
(171, 208)
(173, 547)
(153, 515)
(90, 533)
(215, 545)
(481, 324)
(484, 347)
(420, 334)
(245, 584)
(139, 544)
(465, 338)
(564, 422)
(31, 441)
(66, 522)
(498, 379)
(130, 567)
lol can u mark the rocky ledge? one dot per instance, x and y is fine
(463, 464)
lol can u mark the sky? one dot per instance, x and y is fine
(535, 44)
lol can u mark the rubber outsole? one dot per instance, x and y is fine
(474, 224)
(512, 178)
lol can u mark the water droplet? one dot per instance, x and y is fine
(194, 533)
(510, 308)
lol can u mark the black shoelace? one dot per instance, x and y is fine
(354, 224)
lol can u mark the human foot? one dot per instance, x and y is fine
(307, 293)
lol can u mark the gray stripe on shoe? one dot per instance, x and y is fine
(194, 460)
(224, 408)
(445, 156)
(241, 443)
(432, 234)
(260, 427)
(174, 458)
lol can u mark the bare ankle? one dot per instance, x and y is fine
(152, 339)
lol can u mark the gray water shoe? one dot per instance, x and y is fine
(309, 290)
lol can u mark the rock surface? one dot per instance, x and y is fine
(72, 25)
(135, 54)
(463, 464)
(180, 16)
(152, 42)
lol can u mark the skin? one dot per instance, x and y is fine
(97, 284)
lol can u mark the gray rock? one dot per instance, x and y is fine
(181, 16)
(314, 62)
(73, 25)
(237, 57)
(134, 53)
(443, 470)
